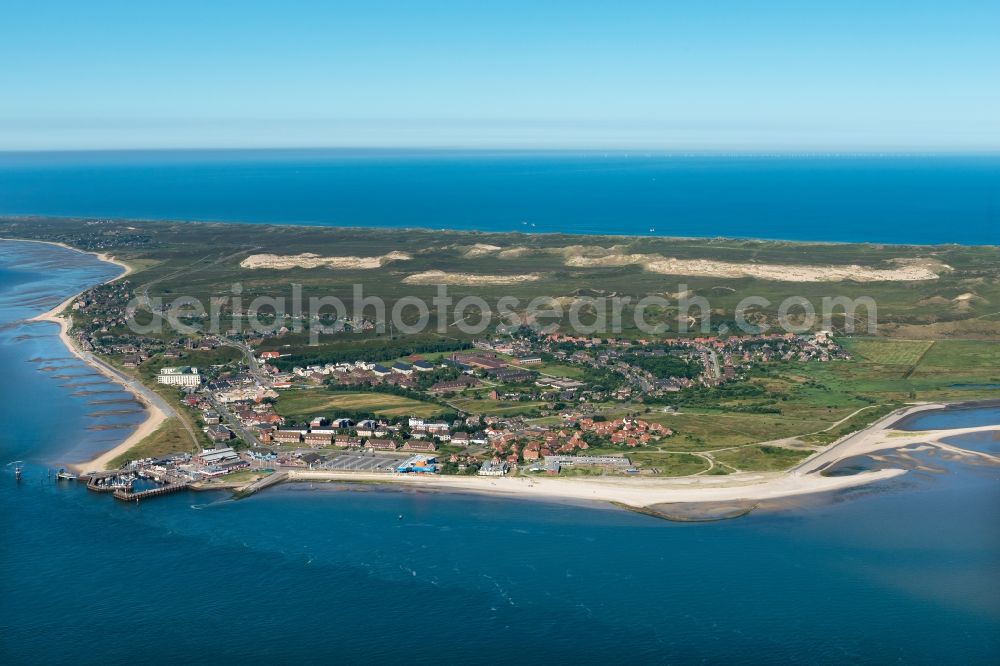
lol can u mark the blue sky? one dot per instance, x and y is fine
(686, 75)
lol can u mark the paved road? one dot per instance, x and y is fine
(234, 423)
(134, 384)
(252, 363)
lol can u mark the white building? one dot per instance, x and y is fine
(490, 468)
(436, 428)
(218, 456)
(179, 376)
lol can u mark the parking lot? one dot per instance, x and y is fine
(356, 462)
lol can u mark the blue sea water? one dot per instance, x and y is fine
(55, 408)
(953, 417)
(883, 199)
(906, 571)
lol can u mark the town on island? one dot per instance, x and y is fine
(639, 420)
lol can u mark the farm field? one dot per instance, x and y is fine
(890, 352)
(888, 369)
(559, 370)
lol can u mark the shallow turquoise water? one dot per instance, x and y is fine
(904, 571)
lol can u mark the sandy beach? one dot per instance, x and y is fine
(155, 413)
(155, 416)
(634, 492)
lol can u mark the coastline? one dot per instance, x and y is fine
(645, 495)
(155, 415)
(638, 493)
(103, 256)
(480, 232)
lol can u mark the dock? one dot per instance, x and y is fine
(261, 484)
(103, 482)
(119, 485)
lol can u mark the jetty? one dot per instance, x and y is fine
(261, 484)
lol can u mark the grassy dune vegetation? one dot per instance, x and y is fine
(498, 407)
(170, 437)
(203, 260)
(821, 402)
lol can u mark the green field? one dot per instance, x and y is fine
(706, 431)
(497, 407)
(301, 406)
(559, 370)
(890, 352)
(931, 374)
(760, 458)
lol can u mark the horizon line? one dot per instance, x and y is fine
(638, 150)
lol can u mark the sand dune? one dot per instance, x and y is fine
(480, 249)
(468, 279)
(656, 263)
(310, 260)
(589, 256)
